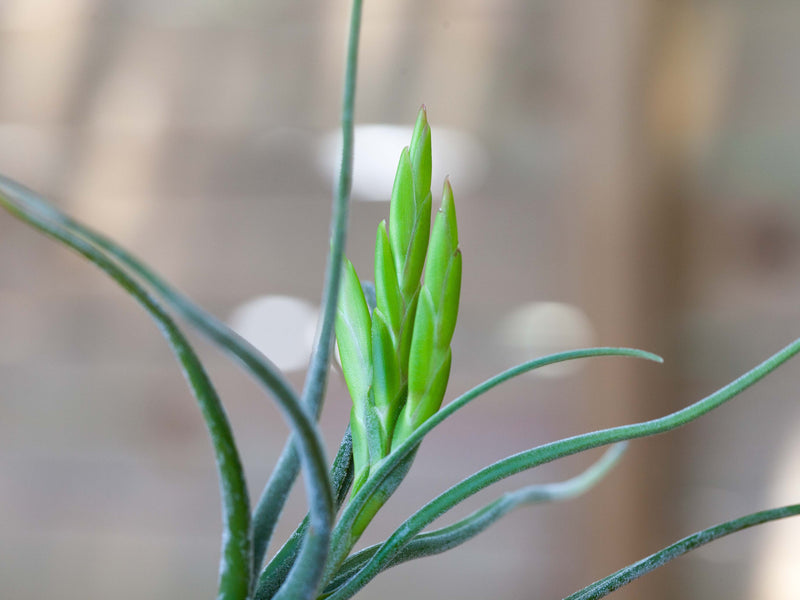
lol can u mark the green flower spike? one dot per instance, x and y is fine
(429, 363)
(375, 350)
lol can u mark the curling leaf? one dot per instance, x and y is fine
(533, 458)
(605, 586)
(235, 569)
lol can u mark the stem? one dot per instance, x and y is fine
(306, 574)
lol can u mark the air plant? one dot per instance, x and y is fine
(394, 344)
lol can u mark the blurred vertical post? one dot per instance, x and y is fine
(637, 70)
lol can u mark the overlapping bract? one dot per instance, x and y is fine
(396, 360)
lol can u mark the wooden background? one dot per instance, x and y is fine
(640, 165)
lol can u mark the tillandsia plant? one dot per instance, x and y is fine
(394, 343)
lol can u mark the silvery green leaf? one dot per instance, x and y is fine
(607, 585)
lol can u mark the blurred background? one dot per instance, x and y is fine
(625, 173)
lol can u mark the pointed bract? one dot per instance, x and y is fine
(360, 450)
(422, 347)
(443, 245)
(432, 399)
(402, 211)
(386, 371)
(406, 333)
(388, 297)
(420, 151)
(428, 402)
(450, 302)
(353, 334)
(414, 263)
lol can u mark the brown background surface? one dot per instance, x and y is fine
(640, 165)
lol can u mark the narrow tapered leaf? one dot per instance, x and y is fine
(605, 586)
(343, 540)
(306, 574)
(535, 457)
(446, 538)
(259, 366)
(235, 566)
